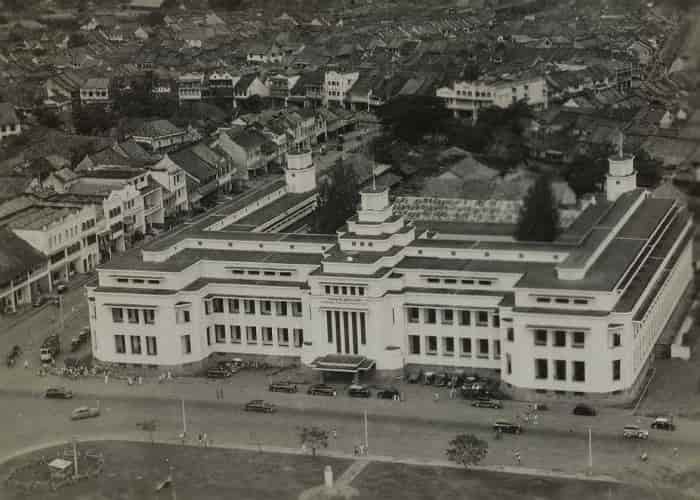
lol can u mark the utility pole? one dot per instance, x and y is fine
(184, 418)
(366, 434)
(60, 311)
(590, 451)
(75, 457)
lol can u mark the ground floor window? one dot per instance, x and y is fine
(251, 334)
(431, 344)
(466, 346)
(186, 344)
(414, 344)
(541, 369)
(560, 369)
(616, 369)
(120, 344)
(448, 346)
(135, 344)
(220, 334)
(298, 337)
(151, 346)
(267, 335)
(235, 334)
(283, 336)
(483, 348)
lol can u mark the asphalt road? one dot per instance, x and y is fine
(36, 421)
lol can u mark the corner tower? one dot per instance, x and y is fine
(621, 177)
(300, 172)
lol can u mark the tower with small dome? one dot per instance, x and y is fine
(621, 177)
(300, 172)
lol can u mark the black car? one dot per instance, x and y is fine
(663, 423)
(218, 373)
(322, 390)
(359, 391)
(510, 428)
(388, 393)
(58, 393)
(415, 377)
(282, 387)
(585, 410)
(260, 406)
(487, 403)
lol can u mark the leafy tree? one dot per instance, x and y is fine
(648, 169)
(539, 217)
(587, 171)
(467, 450)
(77, 40)
(92, 120)
(149, 426)
(155, 18)
(314, 438)
(338, 197)
(410, 118)
(48, 118)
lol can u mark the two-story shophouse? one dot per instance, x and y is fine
(576, 316)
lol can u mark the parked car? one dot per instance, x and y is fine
(84, 412)
(585, 410)
(260, 406)
(487, 403)
(359, 391)
(282, 387)
(75, 343)
(228, 366)
(388, 393)
(58, 393)
(634, 432)
(510, 428)
(663, 423)
(322, 390)
(218, 373)
(441, 380)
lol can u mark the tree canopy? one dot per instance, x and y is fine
(648, 169)
(586, 172)
(410, 118)
(467, 450)
(539, 216)
(338, 197)
(314, 438)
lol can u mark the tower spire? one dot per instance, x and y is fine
(620, 144)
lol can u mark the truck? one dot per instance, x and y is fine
(50, 348)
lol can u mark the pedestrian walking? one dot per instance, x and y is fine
(183, 438)
(205, 439)
(199, 439)
(106, 378)
(334, 433)
(452, 392)
(355, 450)
(436, 397)
(516, 455)
(140, 380)
(26, 363)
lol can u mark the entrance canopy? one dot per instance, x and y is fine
(340, 363)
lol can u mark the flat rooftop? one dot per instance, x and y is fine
(277, 207)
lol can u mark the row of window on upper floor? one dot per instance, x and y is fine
(265, 307)
(454, 281)
(344, 290)
(579, 301)
(138, 281)
(257, 272)
(447, 317)
(134, 315)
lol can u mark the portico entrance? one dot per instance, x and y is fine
(338, 363)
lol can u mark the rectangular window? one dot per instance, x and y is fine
(447, 316)
(207, 307)
(336, 290)
(579, 371)
(465, 318)
(186, 344)
(510, 334)
(283, 336)
(465, 347)
(281, 308)
(298, 337)
(267, 335)
(497, 349)
(540, 337)
(541, 371)
(220, 334)
(430, 316)
(360, 291)
(509, 365)
(496, 320)
(561, 300)
(414, 344)
(328, 290)
(209, 335)
(616, 369)
(559, 369)
(119, 344)
(296, 309)
(363, 329)
(234, 306)
(249, 306)
(135, 341)
(483, 348)
(265, 307)
(149, 316)
(616, 340)
(217, 305)
(431, 345)
(580, 302)
(132, 315)
(448, 346)
(235, 332)
(559, 338)
(579, 339)
(251, 334)
(413, 315)
(118, 315)
(543, 300)
(151, 346)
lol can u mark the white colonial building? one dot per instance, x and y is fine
(579, 315)
(469, 96)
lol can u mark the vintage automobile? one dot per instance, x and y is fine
(260, 406)
(84, 412)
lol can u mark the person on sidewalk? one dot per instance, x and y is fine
(334, 433)
(436, 397)
(26, 363)
(199, 439)
(205, 439)
(516, 455)
(106, 378)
